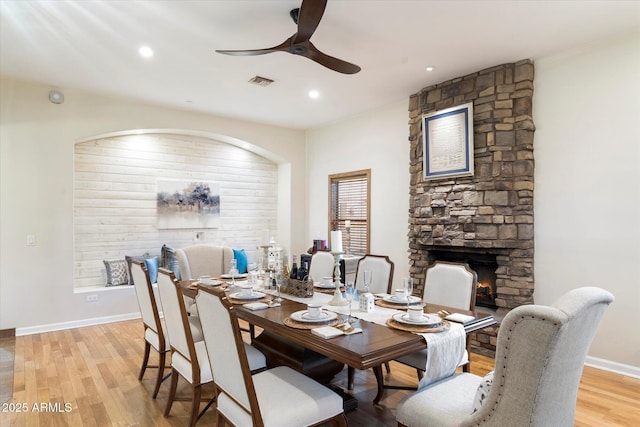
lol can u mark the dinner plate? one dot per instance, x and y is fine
(237, 276)
(321, 285)
(254, 295)
(394, 300)
(210, 283)
(427, 319)
(303, 316)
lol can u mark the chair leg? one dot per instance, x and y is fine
(145, 360)
(420, 373)
(195, 409)
(161, 362)
(377, 371)
(466, 367)
(339, 420)
(172, 391)
(386, 365)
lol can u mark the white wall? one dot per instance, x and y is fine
(587, 195)
(36, 192)
(378, 141)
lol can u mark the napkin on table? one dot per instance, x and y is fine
(331, 332)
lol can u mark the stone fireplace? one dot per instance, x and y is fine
(485, 220)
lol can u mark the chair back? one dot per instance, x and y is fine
(381, 268)
(176, 321)
(227, 354)
(322, 265)
(203, 260)
(450, 284)
(540, 355)
(146, 299)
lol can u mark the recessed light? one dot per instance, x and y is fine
(314, 94)
(145, 51)
(430, 68)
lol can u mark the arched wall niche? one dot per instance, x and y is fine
(116, 179)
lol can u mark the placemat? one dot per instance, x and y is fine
(383, 303)
(417, 328)
(288, 321)
(327, 291)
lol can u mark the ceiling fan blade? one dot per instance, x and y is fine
(284, 46)
(311, 12)
(335, 64)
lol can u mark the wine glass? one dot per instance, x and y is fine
(279, 280)
(368, 277)
(233, 271)
(407, 285)
(349, 293)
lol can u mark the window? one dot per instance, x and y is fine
(349, 200)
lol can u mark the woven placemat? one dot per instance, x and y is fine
(385, 304)
(305, 325)
(417, 328)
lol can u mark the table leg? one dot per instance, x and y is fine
(377, 371)
(350, 375)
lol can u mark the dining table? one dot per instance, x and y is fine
(374, 344)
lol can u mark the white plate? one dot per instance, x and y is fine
(321, 285)
(237, 276)
(210, 283)
(394, 300)
(302, 316)
(240, 295)
(427, 319)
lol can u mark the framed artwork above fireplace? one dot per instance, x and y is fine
(448, 142)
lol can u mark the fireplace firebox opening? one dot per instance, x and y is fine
(484, 265)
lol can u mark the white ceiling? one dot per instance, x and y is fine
(93, 45)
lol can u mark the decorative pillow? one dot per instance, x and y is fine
(128, 259)
(116, 272)
(483, 391)
(169, 260)
(241, 259)
(152, 267)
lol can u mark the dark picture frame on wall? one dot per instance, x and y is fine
(448, 142)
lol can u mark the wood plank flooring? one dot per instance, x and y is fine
(88, 377)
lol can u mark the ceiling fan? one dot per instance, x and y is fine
(307, 17)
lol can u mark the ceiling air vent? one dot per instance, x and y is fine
(260, 81)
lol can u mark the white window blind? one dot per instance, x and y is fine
(349, 193)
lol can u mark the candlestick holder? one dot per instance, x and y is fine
(337, 295)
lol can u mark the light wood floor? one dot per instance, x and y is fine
(94, 370)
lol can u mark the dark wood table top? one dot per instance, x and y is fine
(375, 345)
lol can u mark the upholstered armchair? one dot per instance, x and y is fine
(540, 354)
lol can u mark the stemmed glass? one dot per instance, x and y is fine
(368, 277)
(407, 284)
(279, 280)
(348, 293)
(233, 271)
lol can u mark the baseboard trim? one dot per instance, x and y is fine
(608, 365)
(75, 324)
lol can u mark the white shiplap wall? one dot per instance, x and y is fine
(115, 186)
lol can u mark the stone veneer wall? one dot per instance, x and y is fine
(491, 212)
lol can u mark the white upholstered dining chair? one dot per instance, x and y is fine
(381, 268)
(275, 397)
(540, 355)
(452, 285)
(154, 336)
(322, 265)
(189, 359)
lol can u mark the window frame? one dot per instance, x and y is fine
(335, 178)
